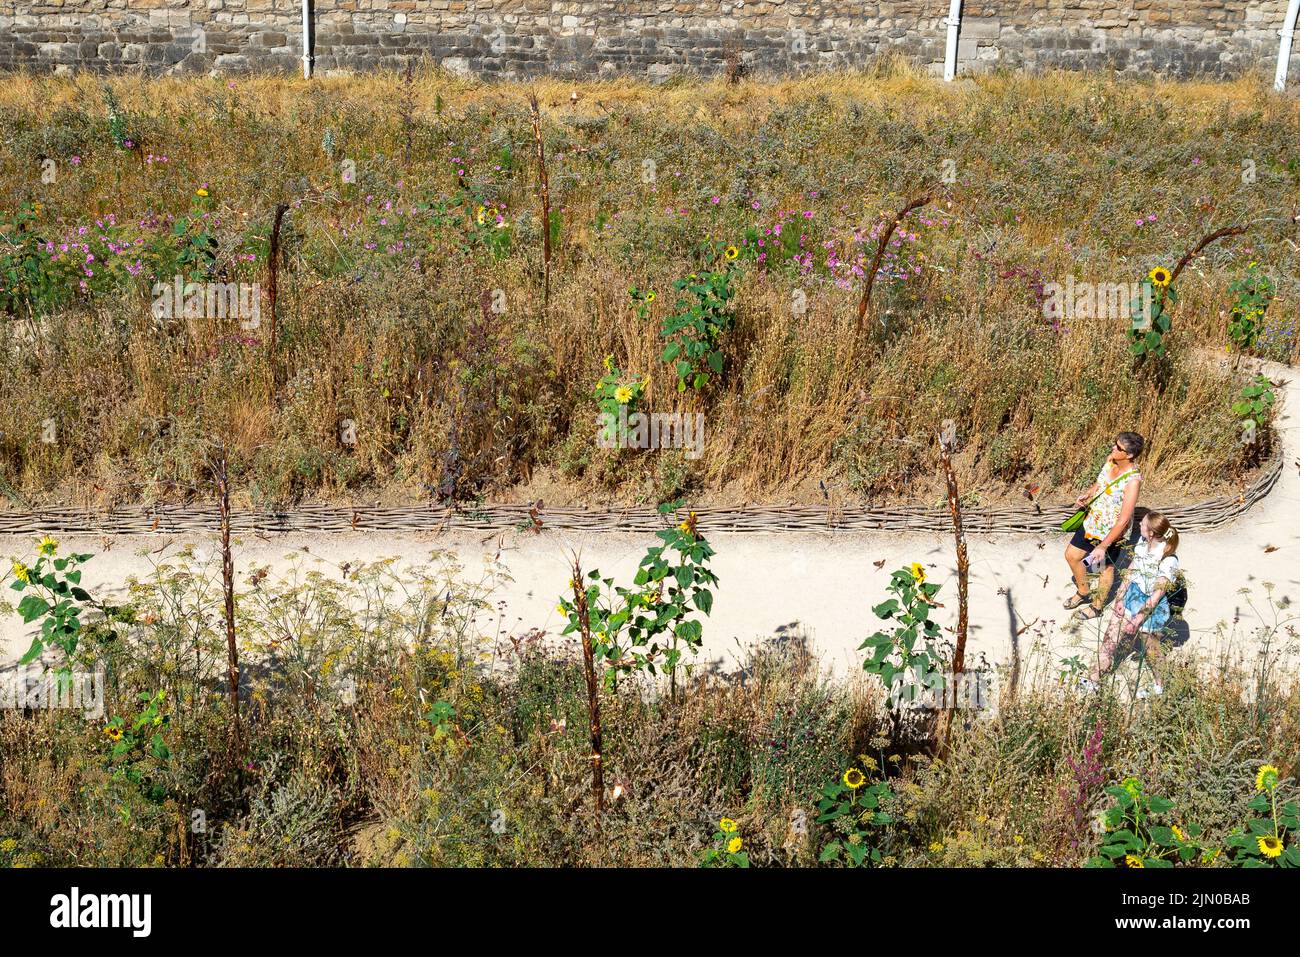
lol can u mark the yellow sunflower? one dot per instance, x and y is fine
(650, 297)
(480, 216)
(623, 395)
(727, 826)
(22, 573)
(732, 252)
(1160, 276)
(47, 546)
(114, 733)
(1267, 778)
(1270, 846)
(854, 779)
(734, 845)
(1132, 860)
(918, 573)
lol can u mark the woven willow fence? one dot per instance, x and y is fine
(177, 519)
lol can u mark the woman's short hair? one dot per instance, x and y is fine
(1131, 442)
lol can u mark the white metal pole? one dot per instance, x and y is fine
(950, 53)
(1284, 50)
(307, 39)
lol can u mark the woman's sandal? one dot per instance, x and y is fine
(1077, 600)
(1091, 611)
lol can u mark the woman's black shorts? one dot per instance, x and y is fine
(1087, 544)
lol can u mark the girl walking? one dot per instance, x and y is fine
(1142, 602)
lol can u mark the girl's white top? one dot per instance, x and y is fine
(1149, 565)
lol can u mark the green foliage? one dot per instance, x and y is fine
(1252, 294)
(1253, 406)
(136, 745)
(671, 583)
(1263, 841)
(1135, 839)
(850, 812)
(1147, 332)
(726, 850)
(614, 391)
(54, 597)
(701, 314)
(905, 656)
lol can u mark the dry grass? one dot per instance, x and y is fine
(437, 388)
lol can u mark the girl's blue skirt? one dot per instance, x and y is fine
(1135, 598)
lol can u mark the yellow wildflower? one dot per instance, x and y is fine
(918, 573)
(727, 826)
(47, 546)
(732, 252)
(1132, 860)
(200, 192)
(854, 779)
(1267, 778)
(1160, 276)
(22, 572)
(734, 845)
(622, 395)
(1269, 845)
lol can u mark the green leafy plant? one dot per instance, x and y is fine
(615, 392)
(137, 743)
(1254, 405)
(54, 596)
(1132, 836)
(727, 847)
(648, 626)
(1149, 315)
(701, 314)
(905, 655)
(1252, 294)
(850, 810)
(1263, 843)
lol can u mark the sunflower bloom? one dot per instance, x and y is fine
(1270, 846)
(22, 573)
(734, 845)
(1160, 276)
(47, 546)
(1132, 860)
(114, 733)
(650, 297)
(1267, 778)
(732, 252)
(727, 826)
(854, 779)
(623, 395)
(918, 573)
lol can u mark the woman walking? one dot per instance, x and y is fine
(1110, 502)
(1142, 601)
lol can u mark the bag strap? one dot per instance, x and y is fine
(1118, 478)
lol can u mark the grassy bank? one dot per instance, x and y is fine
(378, 726)
(416, 349)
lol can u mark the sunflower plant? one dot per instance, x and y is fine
(649, 626)
(850, 812)
(1252, 294)
(700, 316)
(1149, 314)
(54, 597)
(616, 392)
(1263, 843)
(728, 847)
(1133, 838)
(136, 744)
(905, 655)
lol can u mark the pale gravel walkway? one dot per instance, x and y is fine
(821, 582)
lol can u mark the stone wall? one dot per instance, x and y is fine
(649, 38)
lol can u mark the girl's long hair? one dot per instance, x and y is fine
(1161, 530)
